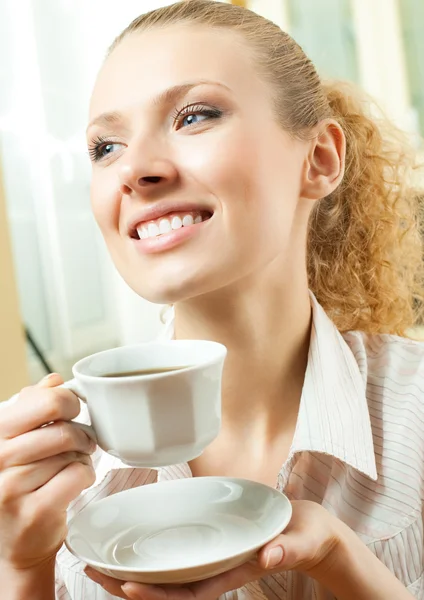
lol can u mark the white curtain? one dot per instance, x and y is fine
(71, 299)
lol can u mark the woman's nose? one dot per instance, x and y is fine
(141, 177)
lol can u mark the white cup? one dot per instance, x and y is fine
(157, 419)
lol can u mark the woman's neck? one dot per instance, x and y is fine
(266, 329)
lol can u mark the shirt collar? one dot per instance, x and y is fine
(333, 415)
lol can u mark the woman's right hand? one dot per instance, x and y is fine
(44, 464)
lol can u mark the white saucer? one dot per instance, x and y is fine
(178, 531)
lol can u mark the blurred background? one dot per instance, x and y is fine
(60, 298)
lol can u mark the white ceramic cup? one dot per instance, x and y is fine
(158, 419)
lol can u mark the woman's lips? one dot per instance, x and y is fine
(170, 222)
(155, 241)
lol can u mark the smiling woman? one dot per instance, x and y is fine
(359, 294)
(279, 219)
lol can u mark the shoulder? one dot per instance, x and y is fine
(393, 372)
(389, 363)
(392, 369)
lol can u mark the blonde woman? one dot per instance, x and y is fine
(277, 218)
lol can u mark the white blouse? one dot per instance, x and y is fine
(358, 450)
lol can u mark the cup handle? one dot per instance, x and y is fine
(72, 385)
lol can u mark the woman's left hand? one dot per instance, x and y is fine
(309, 544)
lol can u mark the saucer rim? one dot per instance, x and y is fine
(248, 550)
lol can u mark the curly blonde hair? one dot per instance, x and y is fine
(364, 244)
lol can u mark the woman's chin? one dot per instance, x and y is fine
(166, 294)
(178, 282)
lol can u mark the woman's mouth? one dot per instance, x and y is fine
(165, 233)
(171, 222)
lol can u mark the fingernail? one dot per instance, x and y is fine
(274, 557)
(129, 592)
(135, 591)
(48, 377)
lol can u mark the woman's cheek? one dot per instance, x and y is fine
(214, 157)
(105, 202)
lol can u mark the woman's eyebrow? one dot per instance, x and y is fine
(107, 118)
(168, 96)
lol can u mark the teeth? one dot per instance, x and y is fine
(188, 220)
(166, 225)
(176, 223)
(153, 230)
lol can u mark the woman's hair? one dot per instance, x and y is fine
(364, 245)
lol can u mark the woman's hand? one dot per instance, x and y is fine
(309, 544)
(44, 464)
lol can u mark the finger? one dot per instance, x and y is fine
(44, 442)
(37, 406)
(25, 479)
(51, 380)
(111, 585)
(288, 551)
(234, 579)
(273, 554)
(135, 591)
(141, 591)
(207, 589)
(64, 487)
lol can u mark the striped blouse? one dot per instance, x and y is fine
(358, 450)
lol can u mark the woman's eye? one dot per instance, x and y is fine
(101, 149)
(193, 119)
(193, 115)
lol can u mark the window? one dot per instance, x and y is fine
(412, 20)
(325, 31)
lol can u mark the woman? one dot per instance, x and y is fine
(277, 219)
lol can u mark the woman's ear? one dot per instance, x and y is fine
(324, 165)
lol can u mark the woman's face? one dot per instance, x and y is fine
(195, 186)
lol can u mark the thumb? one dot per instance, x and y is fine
(287, 551)
(51, 380)
(272, 555)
